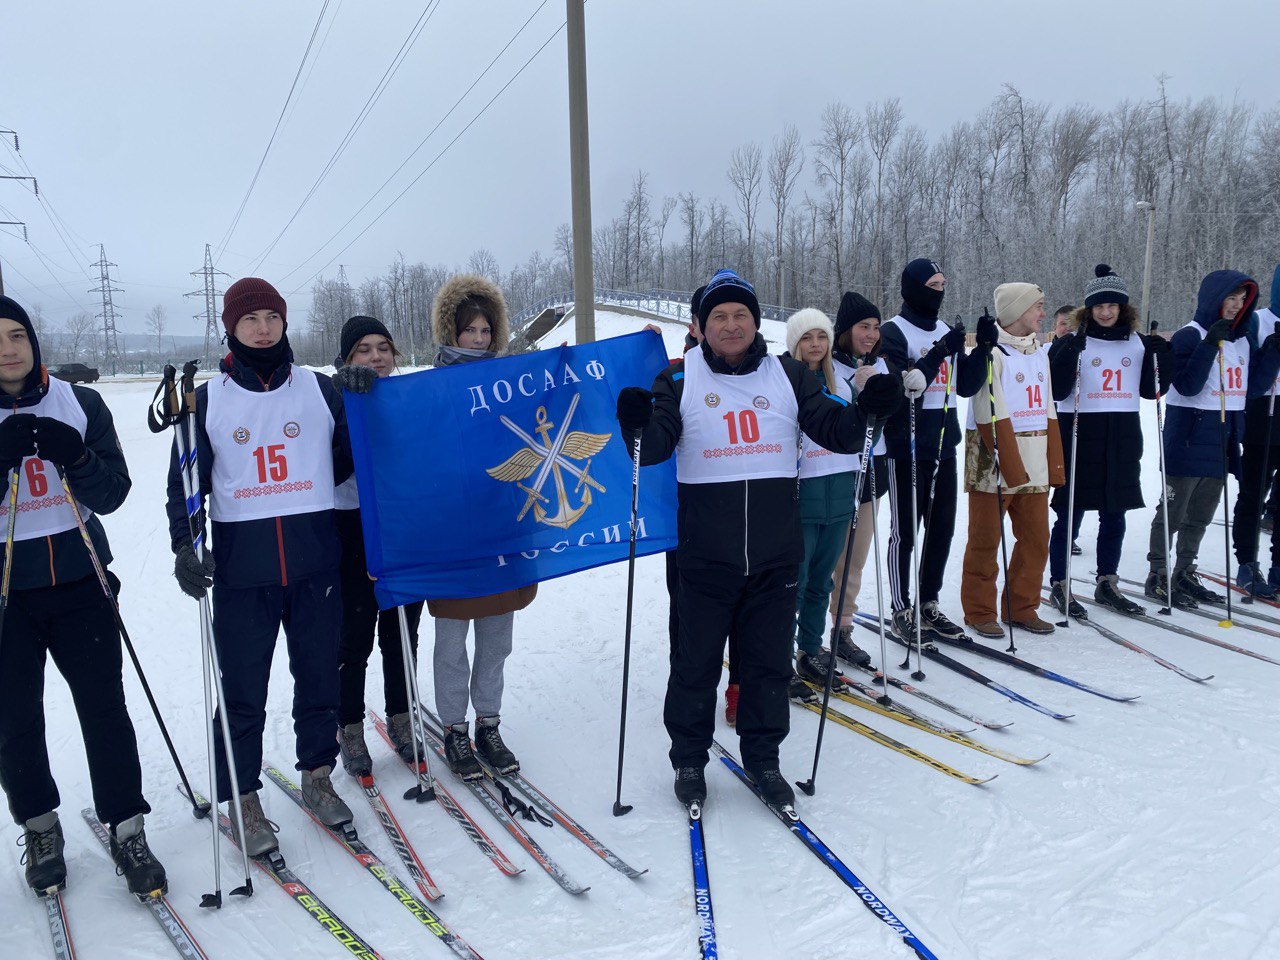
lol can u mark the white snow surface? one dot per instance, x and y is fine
(610, 324)
(1151, 832)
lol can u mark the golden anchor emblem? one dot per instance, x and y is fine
(551, 457)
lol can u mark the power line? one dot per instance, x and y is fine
(387, 75)
(64, 231)
(423, 143)
(235, 221)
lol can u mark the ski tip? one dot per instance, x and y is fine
(1063, 716)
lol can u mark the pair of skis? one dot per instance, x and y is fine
(158, 906)
(791, 820)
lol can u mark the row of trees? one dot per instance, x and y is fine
(1024, 190)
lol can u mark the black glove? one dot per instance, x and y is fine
(635, 409)
(1272, 342)
(1074, 342)
(355, 378)
(59, 442)
(988, 332)
(881, 396)
(951, 343)
(17, 440)
(1157, 346)
(1221, 330)
(194, 577)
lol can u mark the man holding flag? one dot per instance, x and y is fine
(731, 413)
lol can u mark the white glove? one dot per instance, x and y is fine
(914, 383)
(862, 375)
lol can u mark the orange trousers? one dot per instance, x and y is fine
(1029, 513)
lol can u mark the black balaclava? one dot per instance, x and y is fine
(924, 301)
(264, 361)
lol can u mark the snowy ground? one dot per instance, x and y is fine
(1153, 830)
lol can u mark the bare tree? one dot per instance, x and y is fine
(484, 263)
(786, 162)
(833, 151)
(156, 321)
(882, 123)
(745, 175)
(668, 207)
(80, 330)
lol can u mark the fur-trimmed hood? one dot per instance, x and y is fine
(456, 291)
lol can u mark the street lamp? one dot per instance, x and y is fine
(1150, 209)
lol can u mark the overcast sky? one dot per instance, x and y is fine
(145, 122)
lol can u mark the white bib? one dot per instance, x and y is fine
(736, 427)
(1267, 322)
(1024, 381)
(272, 451)
(1110, 371)
(920, 342)
(816, 461)
(1236, 364)
(43, 509)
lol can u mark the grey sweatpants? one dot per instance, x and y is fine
(481, 677)
(1192, 503)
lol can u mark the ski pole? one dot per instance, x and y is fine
(620, 808)
(1226, 520)
(182, 411)
(808, 785)
(199, 810)
(875, 557)
(917, 541)
(1071, 480)
(1167, 609)
(933, 483)
(15, 477)
(424, 789)
(1004, 555)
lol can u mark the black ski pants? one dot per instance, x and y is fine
(760, 610)
(246, 623)
(902, 535)
(1258, 473)
(673, 617)
(74, 624)
(360, 619)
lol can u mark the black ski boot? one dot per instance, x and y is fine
(691, 786)
(459, 755)
(814, 668)
(135, 862)
(932, 620)
(1250, 579)
(1058, 595)
(1156, 588)
(797, 689)
(1188, 581)
(46, 869)
(773, 787)
(846, 649)
(355, 754)
(491, 748)
(400, 730)
(1107, 593)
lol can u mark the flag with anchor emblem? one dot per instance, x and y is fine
(486, 476)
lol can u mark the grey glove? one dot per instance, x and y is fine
(194, 576)
(914, 383)
(355, 378)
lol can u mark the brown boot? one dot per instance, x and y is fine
(1034, 625)
(988, 628)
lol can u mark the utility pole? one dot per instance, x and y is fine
(111, 348)
(584, 310)
(210, 293)
(11, 223)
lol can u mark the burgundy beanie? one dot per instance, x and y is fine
(247, 295)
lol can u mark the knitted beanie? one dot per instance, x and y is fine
(1015, 299)
(727, 287)
(1105, 287)
(801, 322)
(247, 295)
(854, 308)
(355, 330)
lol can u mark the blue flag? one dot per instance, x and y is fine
(482, 477)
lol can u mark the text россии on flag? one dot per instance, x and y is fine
(481, 477)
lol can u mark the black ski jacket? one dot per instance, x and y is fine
(746, 526)
(99, 484)
(275, 550)
(930, 424)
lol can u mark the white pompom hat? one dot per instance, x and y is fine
(801, 322)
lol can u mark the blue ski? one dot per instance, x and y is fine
(837, 866)
(702, 886)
